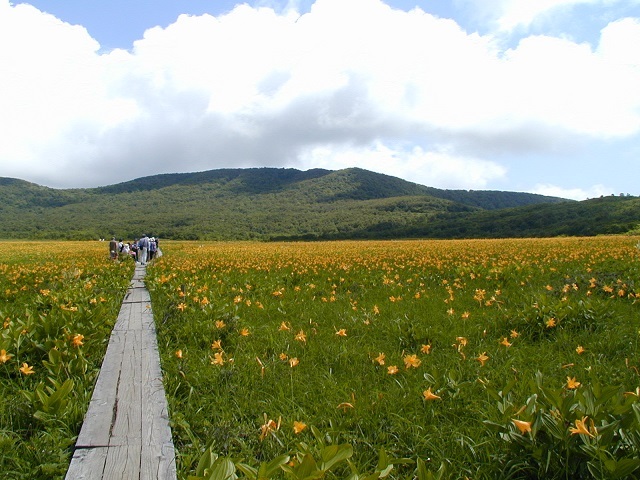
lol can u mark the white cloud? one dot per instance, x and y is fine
(572, 193)
(352, 83)
(433, 168)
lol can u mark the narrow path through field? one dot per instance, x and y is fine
(126, 433)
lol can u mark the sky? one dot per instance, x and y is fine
(538, 96)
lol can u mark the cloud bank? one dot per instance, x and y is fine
(353, 83)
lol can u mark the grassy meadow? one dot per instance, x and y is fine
(477, 359)
(58, 303)
(402, 359)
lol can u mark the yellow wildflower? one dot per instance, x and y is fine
(380, 358)
(268, 427)
(342, 332)
(572, 383)
(429, 395)
(580, 349)
(77, 340)
(482, 358)
(293, 362)
(217, 359)
(523, 426)
(426, 349)
(392, 370)
(411, 361)
(581, 428)
(301, 336)
(26, 369)
(4, 356)
(298, 427)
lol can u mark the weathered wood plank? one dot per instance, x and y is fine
(98, 419)
(87, 464)
(157, 463)
(122, 462)
(127, 425)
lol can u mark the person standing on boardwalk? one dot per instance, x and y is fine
(143, 248)
(113, 248)
(153, 247)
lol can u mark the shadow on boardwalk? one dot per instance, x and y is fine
(126, 433)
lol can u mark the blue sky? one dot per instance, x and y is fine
(521, 95)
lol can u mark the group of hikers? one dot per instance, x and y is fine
(142, 250)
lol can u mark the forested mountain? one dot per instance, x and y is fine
(271, 203)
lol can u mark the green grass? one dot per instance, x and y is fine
(50, 293)
(393, 298)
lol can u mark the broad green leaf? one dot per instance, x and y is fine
(307, 467)
(206, 461)
(223, 469)
(249, 471)
(267, 470)
(334, 454)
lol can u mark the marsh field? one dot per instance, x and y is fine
(377, 359)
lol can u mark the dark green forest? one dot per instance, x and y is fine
(289, 204)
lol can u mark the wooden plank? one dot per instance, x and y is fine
(123, 462)
(158, 464)
(87, 464)
(98, 419)
(127, 424)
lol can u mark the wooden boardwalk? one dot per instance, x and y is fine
(126, 433)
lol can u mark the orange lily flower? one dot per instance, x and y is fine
(298, 427)
(429, 395)
(581, 428)
(26, 369)
(572, 383)
(411, 361)
(482, 358)
(4, 356)
(217, 359)
(523, 426)
(77, 340)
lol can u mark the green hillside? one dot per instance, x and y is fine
(271, 203)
